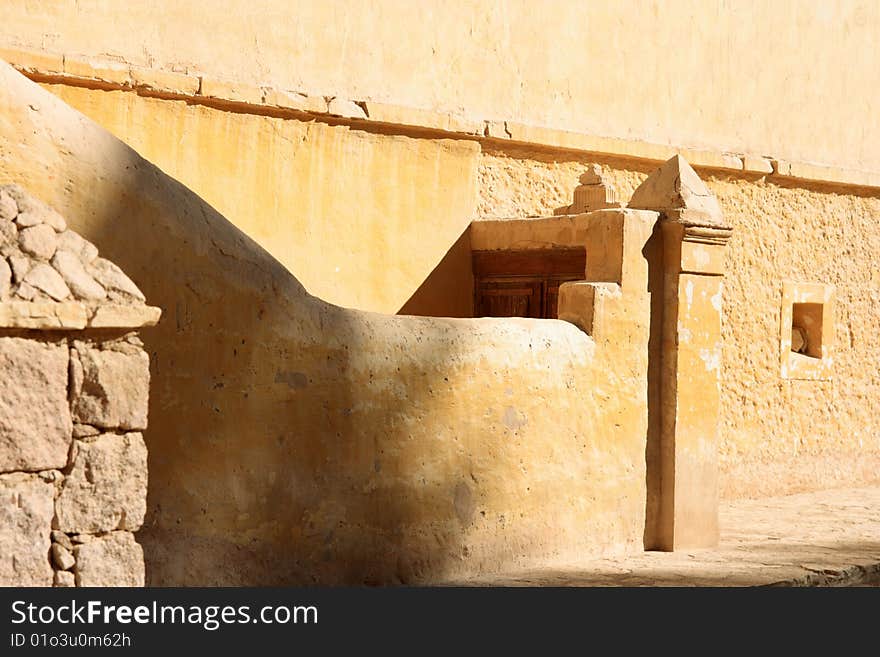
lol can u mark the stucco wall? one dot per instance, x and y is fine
(778, 436)
(790, 79)
(294, 441)
(361, 219)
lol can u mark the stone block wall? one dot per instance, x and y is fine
(72, 458)
(74, 382)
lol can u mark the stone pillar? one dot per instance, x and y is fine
(682, 455)
(690, 379)
(74, 381)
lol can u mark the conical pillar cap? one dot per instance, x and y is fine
(675, 186)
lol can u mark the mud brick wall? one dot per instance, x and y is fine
(73, 464)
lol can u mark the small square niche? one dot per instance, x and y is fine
(806, 329)
(806, 340)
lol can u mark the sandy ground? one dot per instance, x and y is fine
(826, 538)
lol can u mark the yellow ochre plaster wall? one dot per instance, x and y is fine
(294, 441)
(778, 435)
(360, 219)
(789, 79)
(361, 209)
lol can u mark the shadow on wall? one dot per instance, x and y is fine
(653, 253)
(295, 442)
(261, 422)
(448, 291)
(254, 424)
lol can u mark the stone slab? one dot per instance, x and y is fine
(26, 509)
(35, 424)
(107, 487)
(114, 388)
(114, 559)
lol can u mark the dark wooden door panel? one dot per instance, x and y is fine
(523, 283)
(516, 298)
(539, 263)
(551, 298)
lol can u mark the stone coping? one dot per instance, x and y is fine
(103, 73)
(75, 315)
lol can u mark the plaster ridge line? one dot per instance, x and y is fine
(516, 133)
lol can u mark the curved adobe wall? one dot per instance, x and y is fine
(295, 441)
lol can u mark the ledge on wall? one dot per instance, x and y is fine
(104, 73)
(73, 315)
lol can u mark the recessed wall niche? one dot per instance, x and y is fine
(806, 331)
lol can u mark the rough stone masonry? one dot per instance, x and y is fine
(74, 382)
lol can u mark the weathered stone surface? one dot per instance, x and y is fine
(43, 314)
(5, 279)
(593, 196)
(62, 557)
(33, 211)
(40, 234)
(113, 278)
(55, 220)
(107, 487)
(346, 108)
(8, 207)
(676, 186)
(114, 390)
(39, 241)
(25, 202)
(64, 578)
(26, 291)
(111, 560)
(50, 476)
(78, 245)
(34, 309)
(8, 237)
(35, 424)
(76, 380)
(123, 315)
(46, 279)
(295, 100)
(28, 219)
(20, 266)
(78, 280)
(81, 430)
(26, 508)
(62, 539)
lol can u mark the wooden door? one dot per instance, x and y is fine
(523, 283)
(513, 297)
